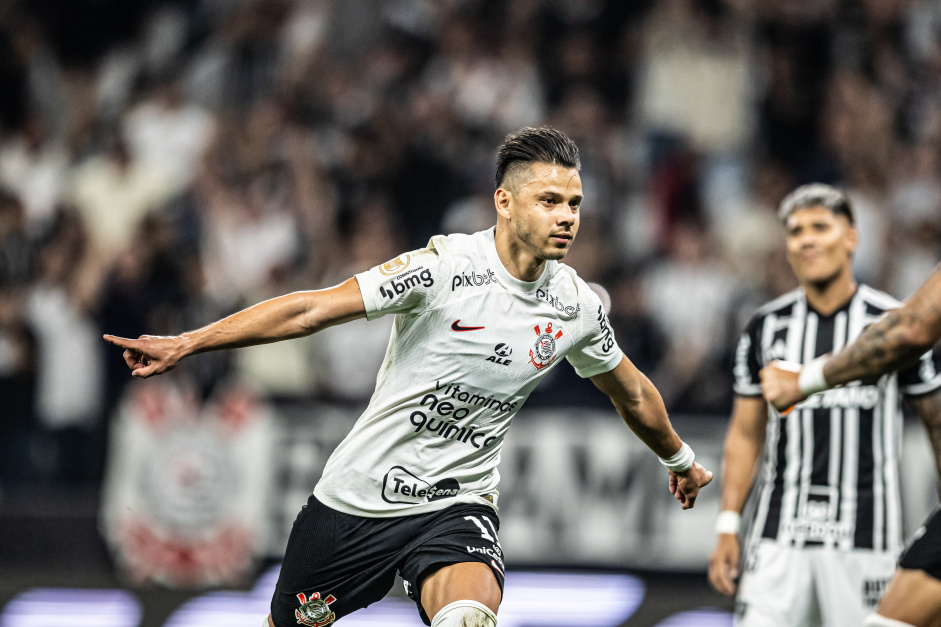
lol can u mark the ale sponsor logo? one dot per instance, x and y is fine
(501, 354)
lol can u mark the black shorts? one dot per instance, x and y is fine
(336, 563)
(924, 553)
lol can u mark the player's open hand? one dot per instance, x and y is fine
(723, 565)
(779, 385)
(684, 486)
(149, 354)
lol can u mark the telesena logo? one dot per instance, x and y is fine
(401, 486)
(418, 276)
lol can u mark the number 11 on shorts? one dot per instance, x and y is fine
(484, 533)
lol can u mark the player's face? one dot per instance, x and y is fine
(820, 244)
(544, 209)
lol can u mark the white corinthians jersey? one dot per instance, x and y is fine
(831, 472)
(469, 344)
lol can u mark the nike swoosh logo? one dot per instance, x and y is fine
(456, 326)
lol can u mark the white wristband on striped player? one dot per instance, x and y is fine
(811, 379)
(728, 522)
(681, 461)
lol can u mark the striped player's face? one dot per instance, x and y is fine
(820, 245)
(544, 209)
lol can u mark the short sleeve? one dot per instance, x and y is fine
(407, 284)
(747, 364)
(923, 377)
(596, 350)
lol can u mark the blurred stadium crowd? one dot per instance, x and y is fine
(166, 162)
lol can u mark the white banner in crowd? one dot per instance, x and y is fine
(184, 498)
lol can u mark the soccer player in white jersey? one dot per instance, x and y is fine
(827, 527)
(913, 598)
(480, 319)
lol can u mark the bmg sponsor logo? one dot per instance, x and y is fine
(473, 279)
(398, 287)
(401, 486)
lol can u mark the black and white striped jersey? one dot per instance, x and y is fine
(830, 476)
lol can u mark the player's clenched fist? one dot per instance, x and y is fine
(685, 485)
(779, 384)
(149, 354)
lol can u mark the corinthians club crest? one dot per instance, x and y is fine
(543, 351)
(314, 611)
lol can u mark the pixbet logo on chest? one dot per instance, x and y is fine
(473, 279)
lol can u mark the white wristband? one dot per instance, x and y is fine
(681, 461)
(811, 379)
(728, 522)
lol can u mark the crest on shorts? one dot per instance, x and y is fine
(315, 611)
(543, 351)
(395, 266)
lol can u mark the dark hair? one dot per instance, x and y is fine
(816, 195)
(535, 145)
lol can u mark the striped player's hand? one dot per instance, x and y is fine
(779, 385)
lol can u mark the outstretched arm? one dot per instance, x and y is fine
(641, 407)
(899, 339)
(285, 317)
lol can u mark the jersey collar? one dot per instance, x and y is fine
(503, 274)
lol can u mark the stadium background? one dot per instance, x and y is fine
(164, 163)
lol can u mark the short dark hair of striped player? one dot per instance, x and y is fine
(816, 195)
(531, 145)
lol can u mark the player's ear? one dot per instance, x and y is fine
(852, 239)
(502, 198)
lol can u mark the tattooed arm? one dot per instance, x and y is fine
(928, 408)
(900, 338)
(897, 340)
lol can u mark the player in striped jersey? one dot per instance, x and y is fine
(827, 526)
(913, 598)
